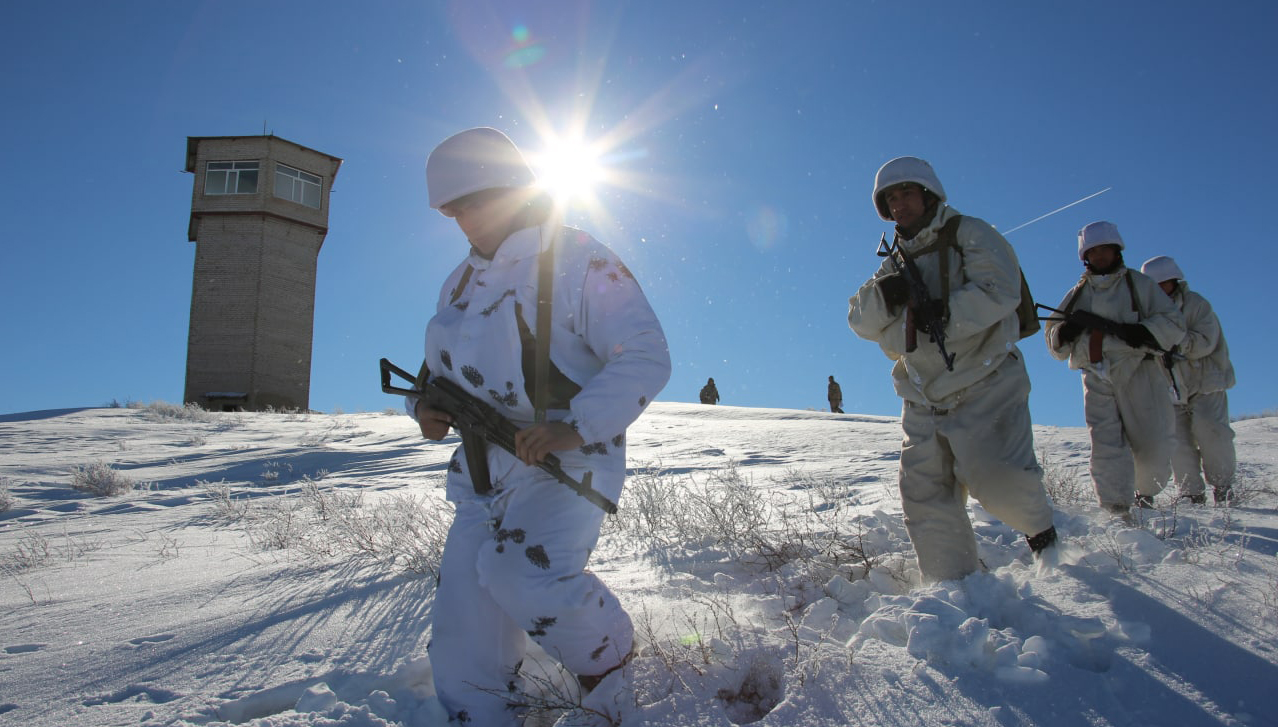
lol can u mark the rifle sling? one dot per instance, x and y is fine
(545, 298)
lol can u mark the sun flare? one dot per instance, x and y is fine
(569, 169)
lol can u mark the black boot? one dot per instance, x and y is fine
(1045, 539)
(1145, 501)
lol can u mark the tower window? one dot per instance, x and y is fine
(297, 186)
(230, 178)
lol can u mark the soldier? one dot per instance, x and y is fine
(966, 419)
(834, 393)
(514, 563)
(1113, 326)
(1202, 370)
(709, 394)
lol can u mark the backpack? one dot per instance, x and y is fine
(1026, 313)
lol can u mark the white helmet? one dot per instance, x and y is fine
(1097, 234)
(474, 160)
(1162, 269)
(899, 171)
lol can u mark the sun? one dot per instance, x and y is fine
(569, 169)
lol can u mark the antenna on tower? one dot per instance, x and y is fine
(263, 127)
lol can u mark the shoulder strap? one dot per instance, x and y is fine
(545, 299)
(1073, 299)
(947, 236)
(461, 284)
(1131, 288)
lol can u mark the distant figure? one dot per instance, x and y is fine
(1202, 371)
(1113, 327)
(834, 393)
(966, 419)
(709, 394)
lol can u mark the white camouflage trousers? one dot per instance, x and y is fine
(983, 446)
(1204, 444)
(514, 567)
(1132, 429)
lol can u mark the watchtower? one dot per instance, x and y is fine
(259, 214)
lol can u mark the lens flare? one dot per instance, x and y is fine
(766, 226)
(527, 50)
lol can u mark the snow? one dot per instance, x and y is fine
(211, 595)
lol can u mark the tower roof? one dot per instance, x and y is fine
(193, 141)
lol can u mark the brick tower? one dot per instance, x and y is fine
(259, 214)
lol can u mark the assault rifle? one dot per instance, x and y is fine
(1083, 318)
(1170, 357)
(1092, 322)
(479, 425)
(921, 308)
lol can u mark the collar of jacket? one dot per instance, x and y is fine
(927, 235)
(1108, 280)
(521, 243)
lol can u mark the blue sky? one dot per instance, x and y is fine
(748, 135)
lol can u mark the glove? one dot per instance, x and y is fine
(932, 310)
(895, 291)
(1136, 336)
(1068, 331)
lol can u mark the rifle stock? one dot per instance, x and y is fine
(480, 424)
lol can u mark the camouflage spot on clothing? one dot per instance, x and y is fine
(619, 440)
(462, 305)
(594, 655)
(596, 448)
(598, 263)
(510, 398)
(454, 465)
(492, 308)
(643, 401)
(625, 270)
(541, 624)
(517, 535)
(472, 375)
(446, 358)
(537, 556)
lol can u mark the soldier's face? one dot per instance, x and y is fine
(905, 202)
(485, 217)
(1102, 257)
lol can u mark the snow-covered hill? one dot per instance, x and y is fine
(275, 570)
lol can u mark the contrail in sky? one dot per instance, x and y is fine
(1062, 209)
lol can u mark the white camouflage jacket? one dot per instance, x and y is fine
(982, 331)
(1206, 367)
(607, 349)
(1110, 296)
